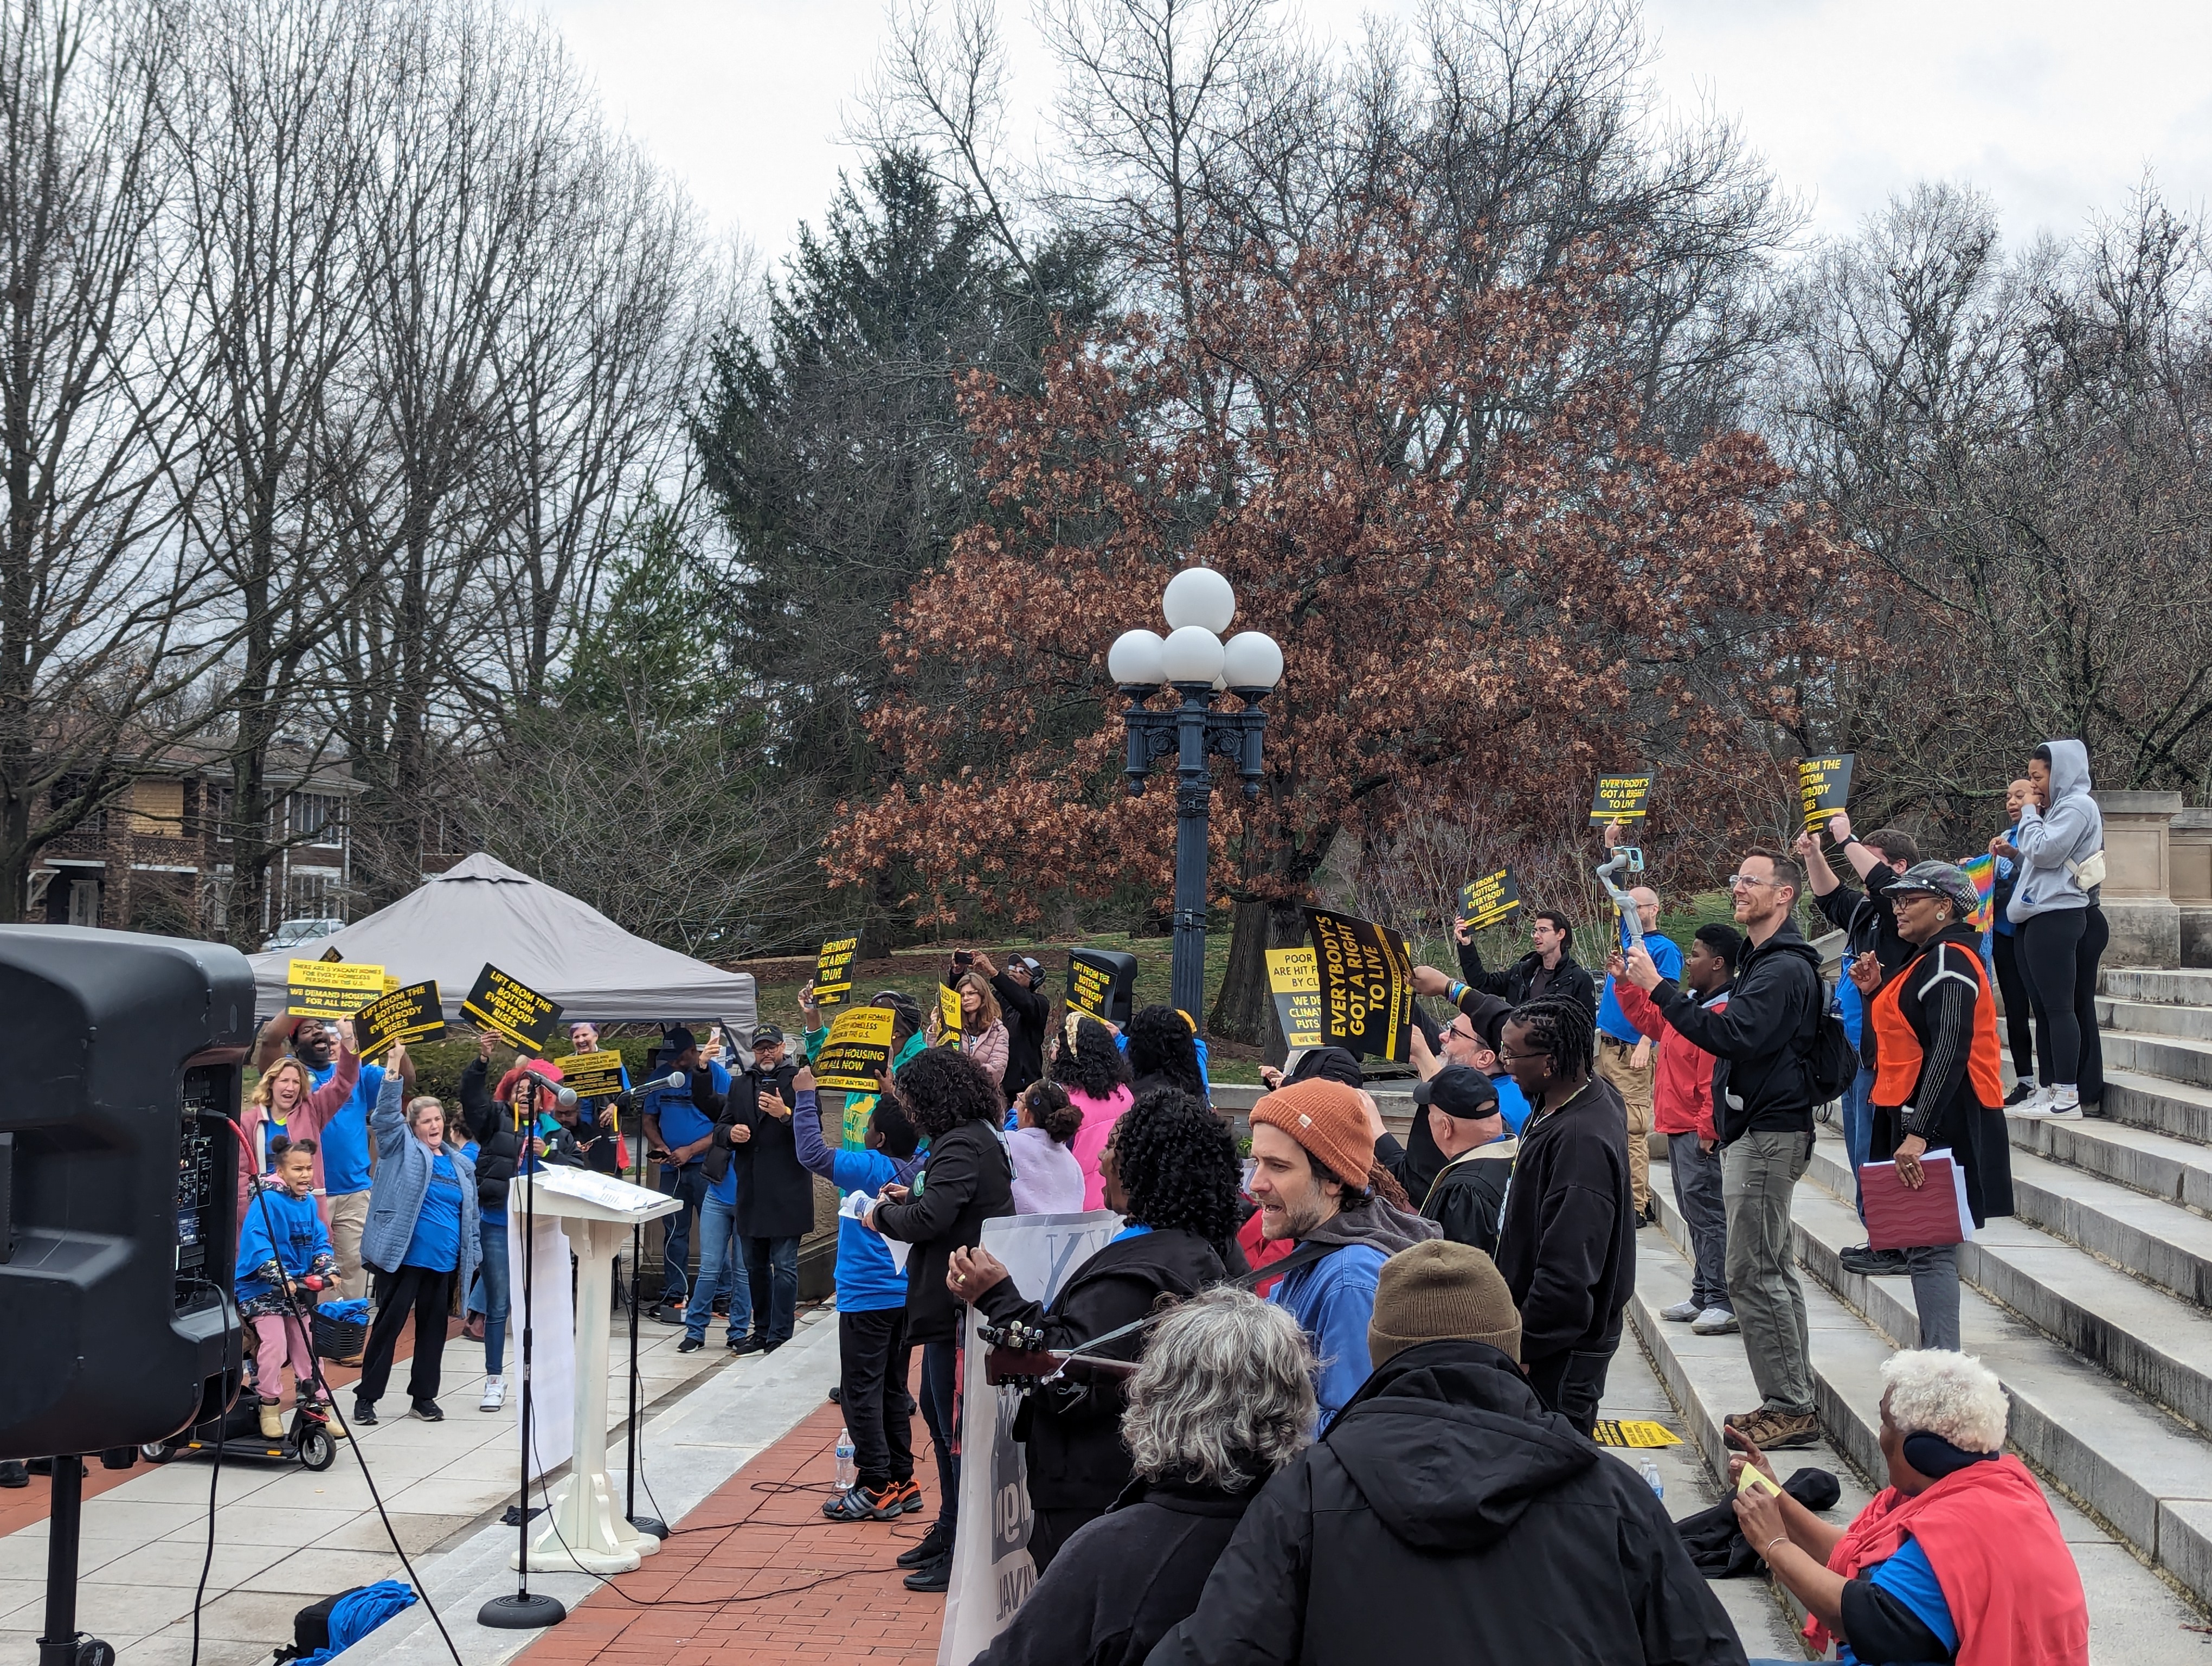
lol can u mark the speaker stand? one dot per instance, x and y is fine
(61, 1644)
(652, 1524)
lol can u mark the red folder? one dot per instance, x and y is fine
(1899, 1217)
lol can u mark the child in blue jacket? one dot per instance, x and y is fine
(281, 1242)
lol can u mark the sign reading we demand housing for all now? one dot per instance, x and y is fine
(330, 988)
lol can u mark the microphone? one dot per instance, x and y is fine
(567, 1095)
(673, 1078)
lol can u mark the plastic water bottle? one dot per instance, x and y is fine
(1652, 1480)
(847, 1474)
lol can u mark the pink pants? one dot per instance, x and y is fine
(276, 1332)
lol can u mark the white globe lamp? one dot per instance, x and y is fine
(1192, 654)
(1137, 659)
(1252, 660)
(1202, 597)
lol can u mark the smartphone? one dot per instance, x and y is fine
(962, 957)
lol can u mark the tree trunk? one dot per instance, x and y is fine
(1245, 1011)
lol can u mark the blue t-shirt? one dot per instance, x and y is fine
(1611, 1020)
(1333, 1299)
(867, 1282)
(345, 1136)
(437, 1241)
(680, 1121)
(1512, 1103)
(1908, 1577)
(1850, 1004)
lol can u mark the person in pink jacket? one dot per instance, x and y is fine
(286, 1101)
(984, 1035)
(1089, 1065)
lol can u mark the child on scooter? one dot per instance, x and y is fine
(281, 1247)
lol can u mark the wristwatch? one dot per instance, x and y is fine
(1850, 838)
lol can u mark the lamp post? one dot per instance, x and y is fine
(1199, 606)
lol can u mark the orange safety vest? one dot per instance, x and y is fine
(1897, 1048)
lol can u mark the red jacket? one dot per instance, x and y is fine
(1682, 1086)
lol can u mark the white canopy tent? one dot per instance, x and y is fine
(483, 911)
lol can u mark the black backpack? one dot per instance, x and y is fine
(310, 1627)
(1832, 1064)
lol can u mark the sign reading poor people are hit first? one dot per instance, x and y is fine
(1366, 985)
(512, 1010)
(1294, 979)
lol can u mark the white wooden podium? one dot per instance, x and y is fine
(584, 1527)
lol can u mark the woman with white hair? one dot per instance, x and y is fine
(1224, 1399)
(1957, 1559)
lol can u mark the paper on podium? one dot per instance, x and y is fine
(857, 1204)
(1899, 1217)
(584, 1195)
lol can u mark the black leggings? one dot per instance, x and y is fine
(429, 1296)
(2019, 1004)
(2059, 951)
(940, 1410)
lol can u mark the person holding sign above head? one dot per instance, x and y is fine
(504, 1124)
(1941, 1082)
(1549, 969)
(1625, 1055)
(982, 1031)
(679, 1124)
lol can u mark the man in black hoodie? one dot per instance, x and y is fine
(1567, 1245)
(1447, 1515)
(1027, 1013)
(1762, 1043)
(1549, 969)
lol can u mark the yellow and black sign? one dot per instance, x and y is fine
(594, 1075)
(411, 1014)
(857, 1051)
(1612, 1431)
(1485, 901)
(1620, 798)
(1366, 985)
(1101, 983)
(330, 988)
(1824, 786)
(833, 972)
(1295, 978)
(948, 1015)
(512, 1010)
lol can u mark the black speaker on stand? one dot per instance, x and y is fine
(119, 1205)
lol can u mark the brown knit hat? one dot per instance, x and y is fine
(1327, 1119)
(1441, 1289)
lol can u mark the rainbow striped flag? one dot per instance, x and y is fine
(1983, 871)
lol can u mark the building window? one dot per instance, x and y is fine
(157, 809)
(317, 817)
(314, 894)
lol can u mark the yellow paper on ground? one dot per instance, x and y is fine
(1612, 1431)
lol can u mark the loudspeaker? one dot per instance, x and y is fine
(119, 1185)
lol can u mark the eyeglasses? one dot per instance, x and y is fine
(1734, 880)
(1520, 1058)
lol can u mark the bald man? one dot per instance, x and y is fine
(1623, 1053)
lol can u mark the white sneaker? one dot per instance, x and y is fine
(2037, 1103)
(495, 1395)
(2064, 1104)
(1715, 1322)
(1681, 1313)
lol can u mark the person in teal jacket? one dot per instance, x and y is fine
(907, 1041)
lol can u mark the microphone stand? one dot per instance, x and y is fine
(525, 1610)
(652, 1524)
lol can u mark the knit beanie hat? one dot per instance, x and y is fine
(1441, 1289)
(1327, 1119)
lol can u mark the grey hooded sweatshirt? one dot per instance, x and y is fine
(2071, 830)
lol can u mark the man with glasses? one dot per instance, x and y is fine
(1762, 1043)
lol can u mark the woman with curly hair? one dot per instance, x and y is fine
(966, 1180)
(1047, 1180)
(1163, 1052)
(1088, 1065)
(1171, 1170)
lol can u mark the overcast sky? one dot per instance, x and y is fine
(2054, 109)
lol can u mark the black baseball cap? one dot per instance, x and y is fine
(767, 1036)
(1460, 1092)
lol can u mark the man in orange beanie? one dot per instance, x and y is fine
(1313, 1150)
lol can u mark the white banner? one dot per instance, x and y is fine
(553, 1337)
(992, 1572)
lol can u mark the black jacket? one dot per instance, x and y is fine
(1468, 1196)
(775, 1193)
(966, 1180)
(1511, 1538)
(1567, 1247)
(1027, 1015)
(1520, 983)
(1761, 1042)
(1074, 1434)
(500, 1143)
(1122, 1581)
(1869, 926)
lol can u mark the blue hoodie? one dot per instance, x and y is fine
(2070, 832)
(291, 1233)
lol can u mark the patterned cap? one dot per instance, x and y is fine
(1940, 879)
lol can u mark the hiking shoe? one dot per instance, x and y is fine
(927, 1548)
(691, 1345)
(495, 1395)
(1774, 1432)
(857, 1504)
(364, 1413)
(936, 1574)
(428, 1411)
(1715, 1322)
(1681, 1313)
(907, 1494)
(1872, 1263)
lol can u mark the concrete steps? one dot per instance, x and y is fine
(2189, 986)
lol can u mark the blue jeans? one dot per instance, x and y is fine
(1858, 1127)
(721, 1262)
(772, 1270)
(690, 1184)
(492, 1274)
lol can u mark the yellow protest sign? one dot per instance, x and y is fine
(1366, 984)
(1294, 978)
(411, 1014)
(1620, 798)
(1824, 786)
(593, 1075)
(1485, 901)
(948, 1015)
(1612, 1431)
(858, 1049)
(330, 988)
(833, 972)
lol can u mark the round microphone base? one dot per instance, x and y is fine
(527, 1612)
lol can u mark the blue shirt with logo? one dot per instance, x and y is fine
(345, 1136)
(680, 1121)
(1611, 1020)
(437, 1241)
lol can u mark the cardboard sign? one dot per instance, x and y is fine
(1620, 798)
(512, 1009)
(1101, 983)
(411, 1014)
(948, 1015)
(1485, 901)
(1824, 786)
(594, 1075)
(833, 972)
(1295, 978)
(1366, 985)
(857, 1051)
(330, 988)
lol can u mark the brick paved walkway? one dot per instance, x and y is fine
(749, 1541)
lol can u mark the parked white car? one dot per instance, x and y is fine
(296, 934)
